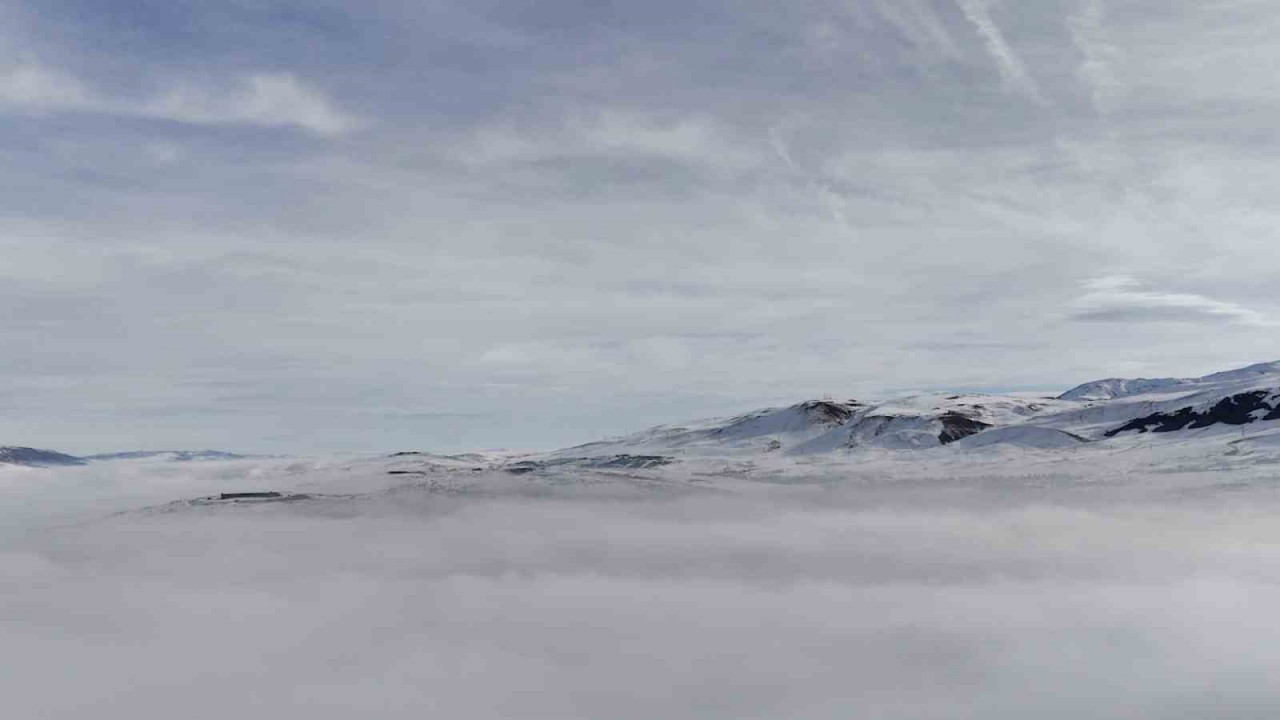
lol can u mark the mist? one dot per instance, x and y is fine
(820, 600)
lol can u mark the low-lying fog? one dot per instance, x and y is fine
(804, 603)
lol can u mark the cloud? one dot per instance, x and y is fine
(610, 135)
(32, 87)
(854, 597)
(583, 199)
(262, 99)
(918, 22)
(1011, 67)
(1098, 54)
(257, 99)
(1120, 298)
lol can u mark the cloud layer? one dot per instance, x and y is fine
(908, 600)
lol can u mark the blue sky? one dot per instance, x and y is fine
(338, 226)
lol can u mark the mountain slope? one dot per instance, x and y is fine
(925, 421)
(767, 430)
(34, 457)
(1114, 388)
(1094, 412)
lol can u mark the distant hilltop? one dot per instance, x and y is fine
(34, 457)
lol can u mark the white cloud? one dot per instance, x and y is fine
(32, 87)
(258, 99)
(560, 225)
(263, 99)
(1122, 298)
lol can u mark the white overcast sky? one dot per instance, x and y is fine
(314, 225)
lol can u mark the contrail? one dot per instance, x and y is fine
(829, 198)
(780, 148)
(918, 23)
(1012, 70)
(1087, 33)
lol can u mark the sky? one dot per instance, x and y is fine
(327, 226)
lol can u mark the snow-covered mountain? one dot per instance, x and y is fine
(1091, 413)
(1113, 388)
(767, 430)
(1100, 413)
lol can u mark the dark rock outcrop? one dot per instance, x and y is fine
(956, 426)
(608, 462)
(251, 496)
(829, 413)
(1242, 409)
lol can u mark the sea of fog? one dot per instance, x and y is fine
(817, 601)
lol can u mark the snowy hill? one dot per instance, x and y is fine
(1190, 434)
(33, 457)
(1239, 403)
(767, 430)
(1113, 388)
(925, 421)
(820, 427)
(1094, 412)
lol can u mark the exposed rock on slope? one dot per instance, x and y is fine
(923, 421)
(957, 427)
(1243, 409)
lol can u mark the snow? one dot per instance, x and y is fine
(1114, 388)
(764, 430)
(1022, 436)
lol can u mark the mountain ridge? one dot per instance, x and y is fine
(20, 456)
(1094, 412)
(1089, 413)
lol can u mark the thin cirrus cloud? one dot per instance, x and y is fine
(1120, 298)
(1088, 32)
(263, 99)
(1012, 69)
(610, 135)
